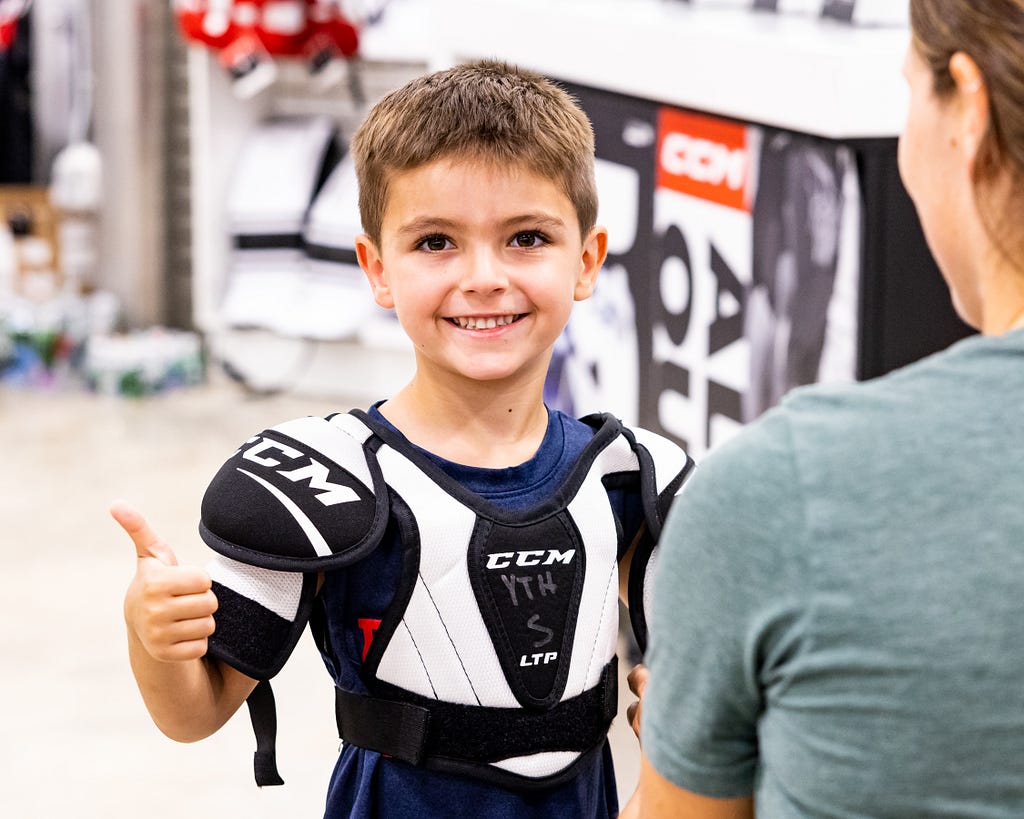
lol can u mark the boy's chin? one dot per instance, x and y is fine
(498, 373)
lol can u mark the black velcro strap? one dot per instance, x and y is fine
(396, 729)
(263, 714)
(419, 728)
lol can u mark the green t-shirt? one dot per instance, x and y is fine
(838, 604)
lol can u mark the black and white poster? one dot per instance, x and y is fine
(732, 273)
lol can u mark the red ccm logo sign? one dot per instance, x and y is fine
(703, 157)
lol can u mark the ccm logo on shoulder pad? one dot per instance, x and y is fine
(529, 557)
(315, 474)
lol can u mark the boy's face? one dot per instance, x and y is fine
(482, 265)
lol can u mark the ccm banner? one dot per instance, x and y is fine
(732, 274)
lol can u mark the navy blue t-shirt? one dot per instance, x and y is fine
(366, 785)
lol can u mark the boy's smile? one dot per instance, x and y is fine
(482, 264)
(484, 322)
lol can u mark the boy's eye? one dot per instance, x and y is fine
(528, 238)
(434, 242)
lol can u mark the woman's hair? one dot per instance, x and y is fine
(991, 33)
(481, 111)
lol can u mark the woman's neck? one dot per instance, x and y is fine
(1017, 322)
(1000, 292)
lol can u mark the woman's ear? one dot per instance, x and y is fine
(595, 250)
(972, 104)
(369, 258)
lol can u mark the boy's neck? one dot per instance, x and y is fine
(487, 427)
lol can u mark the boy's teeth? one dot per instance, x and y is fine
(473, 323)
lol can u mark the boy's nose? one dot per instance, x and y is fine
(483, 273)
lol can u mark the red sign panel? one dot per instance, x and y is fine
(704, 157)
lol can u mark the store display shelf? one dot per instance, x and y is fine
(793, 71)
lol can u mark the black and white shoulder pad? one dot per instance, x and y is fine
(301, 496)
(664, 467)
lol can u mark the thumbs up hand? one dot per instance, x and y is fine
(168, 607)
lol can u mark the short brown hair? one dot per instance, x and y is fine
(991, 33)
(484, 110)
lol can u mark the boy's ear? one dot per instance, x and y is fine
(595, 250)
(369, 258)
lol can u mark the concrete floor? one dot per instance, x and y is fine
(77, 740)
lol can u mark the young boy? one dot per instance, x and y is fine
(456, 549)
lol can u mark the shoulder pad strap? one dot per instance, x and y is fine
(664, 467)
(304, 495)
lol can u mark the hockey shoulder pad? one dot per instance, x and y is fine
(297, 498)
(303, 496)
(664, 467)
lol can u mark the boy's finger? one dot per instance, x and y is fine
(147, 542)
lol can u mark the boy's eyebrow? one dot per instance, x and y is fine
(425, 224)
(537, 220)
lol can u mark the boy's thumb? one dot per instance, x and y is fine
(147, 542)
